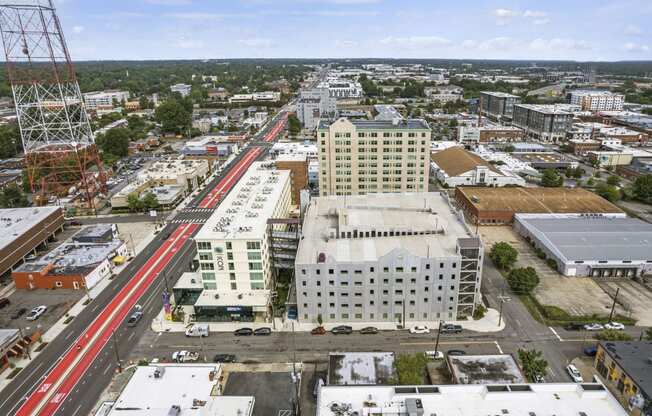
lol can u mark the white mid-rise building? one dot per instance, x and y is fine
(307, 149)
(590, 100)
(235, 271)
(104, 100)
(183, 89)
(256, 96)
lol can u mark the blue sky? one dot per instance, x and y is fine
(500, 29)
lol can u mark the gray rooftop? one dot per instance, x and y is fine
(593, 238)
(360, 368)
(409, 124)
(499, 94)
(15, 222)
(485, 369)
(635, 359)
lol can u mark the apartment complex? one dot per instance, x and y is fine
(315, 104)
(104, 100)
(400, 258)
(590, 100)
(235, 273)
(363, 156)
(498, 105)
(547, 123)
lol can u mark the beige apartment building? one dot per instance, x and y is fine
(358, 157)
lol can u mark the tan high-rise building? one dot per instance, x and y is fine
(357, 157)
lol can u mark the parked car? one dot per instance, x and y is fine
(456, 352)
(35, 313)
(4, 302)
(594, 327)
(617, 326)
(198, 330)
(263, 331)
(18, 313)
(590, 351)
(292, 313)
(419, 329)
(342, 329)
(185, 356)
(134, 318)
(318, 331)
(574, 373)
(224, 358)
(451, 329)
(538, 378)
(574, 326)
(369, 330)
(435, 355)
(243, 332)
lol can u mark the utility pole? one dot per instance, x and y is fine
(502, 299)
(613, 305)
(117, 355)
(295, 376)
(437, 340)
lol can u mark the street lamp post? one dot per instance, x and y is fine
(115, 347)
(502, 299)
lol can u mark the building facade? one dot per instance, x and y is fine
(597, 100)
(547, 123)
(315, 104)
(395, 258)
(498, 105)
(362, 156)
(183, 89)
(105, 100)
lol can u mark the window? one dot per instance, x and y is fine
(256, 285)
(231, 266)
(454, 265)
(208, 276)
(345, 316)
(229, 246)
(210, 286)
(255, 266)
(441, 265)
(232, 276)
(255, 255)
(399, 270)
(58, 283)
(234, 286)
(413, 269)
(256, 276)
(253, 245)
(330, 271)
(304, 283)
(207, 266)
(331, 293)
(371, 270)
(229, 256)
(205, 256)
(386, 269)
(203, 245)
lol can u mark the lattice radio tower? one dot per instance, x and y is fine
(60, 153)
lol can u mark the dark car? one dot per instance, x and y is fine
(342, 329)
(292, 313)
(263, 331)
(590, 351)
(18, 313)
(451, 329)
(224, 358)
(134, 318)
(318, 331)
(574, 326)
(243, 332)
(456, 352)
(4, 302)
(369, 330)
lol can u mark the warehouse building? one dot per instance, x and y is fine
(394, 258)
(458, 167)
(497, 206)
(590, 245)
(22, 230)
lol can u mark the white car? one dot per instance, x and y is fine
(439, 355)
(614, 325)
(36, 312)
(419, 329)
(574, 373)
(593, 327)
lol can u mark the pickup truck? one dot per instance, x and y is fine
(185, 356)
(451, 329)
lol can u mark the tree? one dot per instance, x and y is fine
(174, 116)
(613, 180)
(294, 125)
(503, 255)
(608, 192)
(13, 197)
(320, 320)
(114, 142)
(523, 280)
(10, 141)
(551, 178)
(150, 201)
(613, 335)
(642, 188)
(134, 202)
(411, 368)
(648, 334)
(532, 363)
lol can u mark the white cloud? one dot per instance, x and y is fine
(414, 42)
(498, 43)
(535, 14)
(635, 47)
(257, 42)
(77, 29)
(505, 13)
(633, 30)
(505, 16)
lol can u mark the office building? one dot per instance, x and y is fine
(590, 245)
(363, 156)
(183, 89)
(498, 105)
(105, 100)
(315, 104)
(234, 280)
(590, 100)
(394, 258)
(458, 167)
(559, 399)
(547, 123)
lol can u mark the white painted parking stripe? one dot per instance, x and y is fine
(500, 350)
(555, 332)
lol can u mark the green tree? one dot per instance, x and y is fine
(551, 178)
(523, 280)
(613, 335)
(114, 142)
(150, 201)
(10, 141)
(642, 188)
(135, 203)
(13, 197)
(532, 363)
(294, 125)
(503, 255)
(174, 116)
(648, 334)
(608, 192)
(411, 368)
(613, 180)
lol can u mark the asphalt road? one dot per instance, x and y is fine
(87, 391)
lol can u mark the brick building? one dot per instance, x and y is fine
(298, 166)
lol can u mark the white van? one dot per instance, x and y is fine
(197, 330)
(432, 355)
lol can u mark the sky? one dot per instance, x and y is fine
(583, 30)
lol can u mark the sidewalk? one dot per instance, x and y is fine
(487, 324)
(75, 310)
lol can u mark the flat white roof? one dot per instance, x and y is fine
(244, 212)
(188, 386)
(361, 368)
(15, 222)
(560, 399)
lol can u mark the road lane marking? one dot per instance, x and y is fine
(500, 350)
(21, 384)
(556, 334)
(448, 342)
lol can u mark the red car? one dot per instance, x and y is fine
(318, 331)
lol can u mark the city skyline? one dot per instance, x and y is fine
(488, 29)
